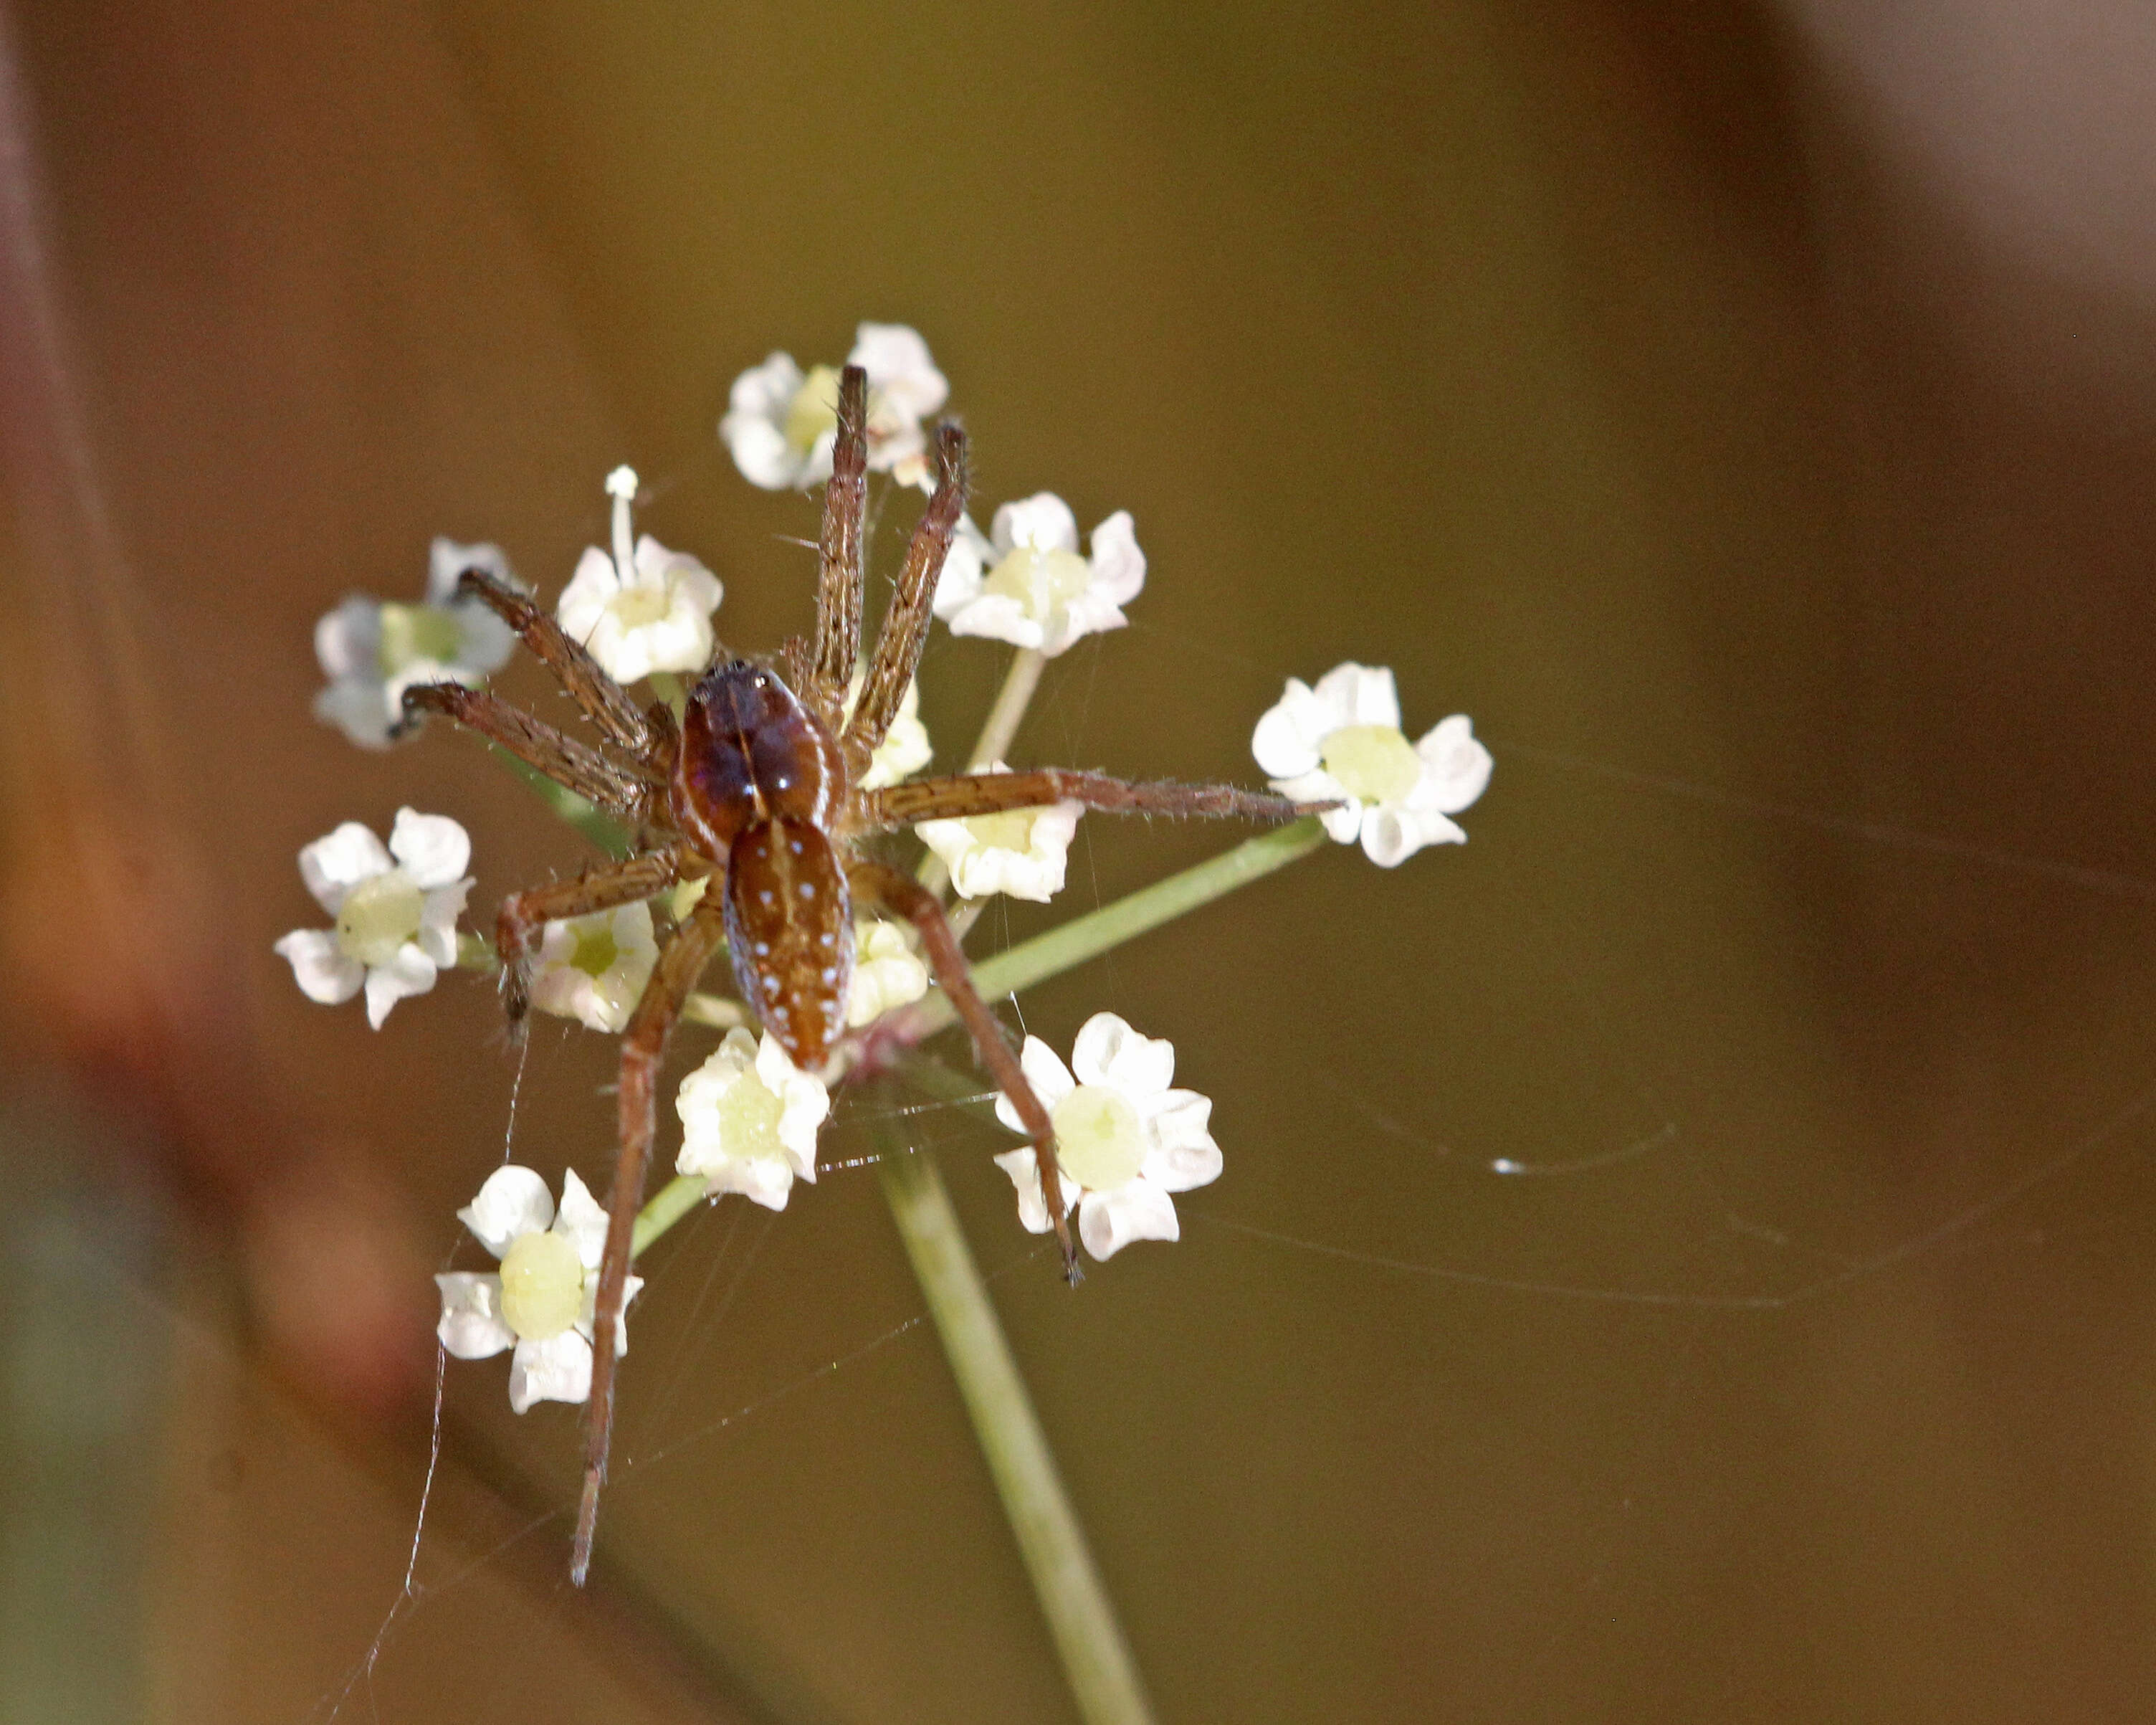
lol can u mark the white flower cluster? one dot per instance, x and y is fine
(1127, 1139)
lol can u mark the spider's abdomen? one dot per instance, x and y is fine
(750, 751)
(790, 928)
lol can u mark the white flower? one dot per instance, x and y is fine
(594, 968)
(396, 911)
(639, 609)
(782, 422)
(1029, 586)
(543, 1300)
(1342, 739)
(1020, 852)
(887, 972)
(1124, 1140)
(905, 748)
(749, 1120)
(372, 653)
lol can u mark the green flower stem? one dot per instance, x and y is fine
(668, 1205)
(1012, 700)
(1096, 1659)
(601, 828)
(1098, 931)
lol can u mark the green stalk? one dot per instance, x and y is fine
(601, 828)
(1096, 1660)
(1088, 936)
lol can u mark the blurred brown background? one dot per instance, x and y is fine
(1747, 416)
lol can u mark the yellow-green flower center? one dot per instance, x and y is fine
(1010, 830)
(596, 951)
(815, 409)
(1044, 583)
(1099, 1138)
(1373, 763)
(413, 632)
(379, 916)
(543, 1285)
(748, 1120)
(644, 603)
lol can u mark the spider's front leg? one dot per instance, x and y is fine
(874, 884)
(600, 780)
(964, 795)
(523, 915)
(643, 1048)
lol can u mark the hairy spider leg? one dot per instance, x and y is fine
(645, 734)
(643, 1048)
(839, 557)
(598, 779)
(905, 630)
(879, 884)
(964, 795)
(522, 915)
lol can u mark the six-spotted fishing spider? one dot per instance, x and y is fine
(758, 788)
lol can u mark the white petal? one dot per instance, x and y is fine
(1183, 1154)
(1138, 1210)
(1089, 614)
(333, 867)
(1109, 1053)
(1042, 521)
(1024, 1167)
(1344, 825)
(410, 972)
(471, 1326)
(438, 911)
(580, 1220)
(583, 601)
(1294, 729)
(1455, 766)
(359, 707)
(997, 616)
(1390, 835)
(434, 850)
(558, 1369)
(964, 569)
(446, 560)
(896, 359)
(1119, 566)
(513, 1201)
(765, 1180)
(1044, 1070)
(348, 640)
(320, 966)
(484, 641)
(678, 570)
(1360, 694)
(760, 452)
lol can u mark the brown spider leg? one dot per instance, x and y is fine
(906, 624)
(967, 794)
(838, 579)
(876, 884)
(562, 758)
(609, 706)
(642, 1047)
(522, 915)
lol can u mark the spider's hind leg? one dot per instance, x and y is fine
(875, 884)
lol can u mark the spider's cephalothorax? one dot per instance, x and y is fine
(756, 784)
(757, 789)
